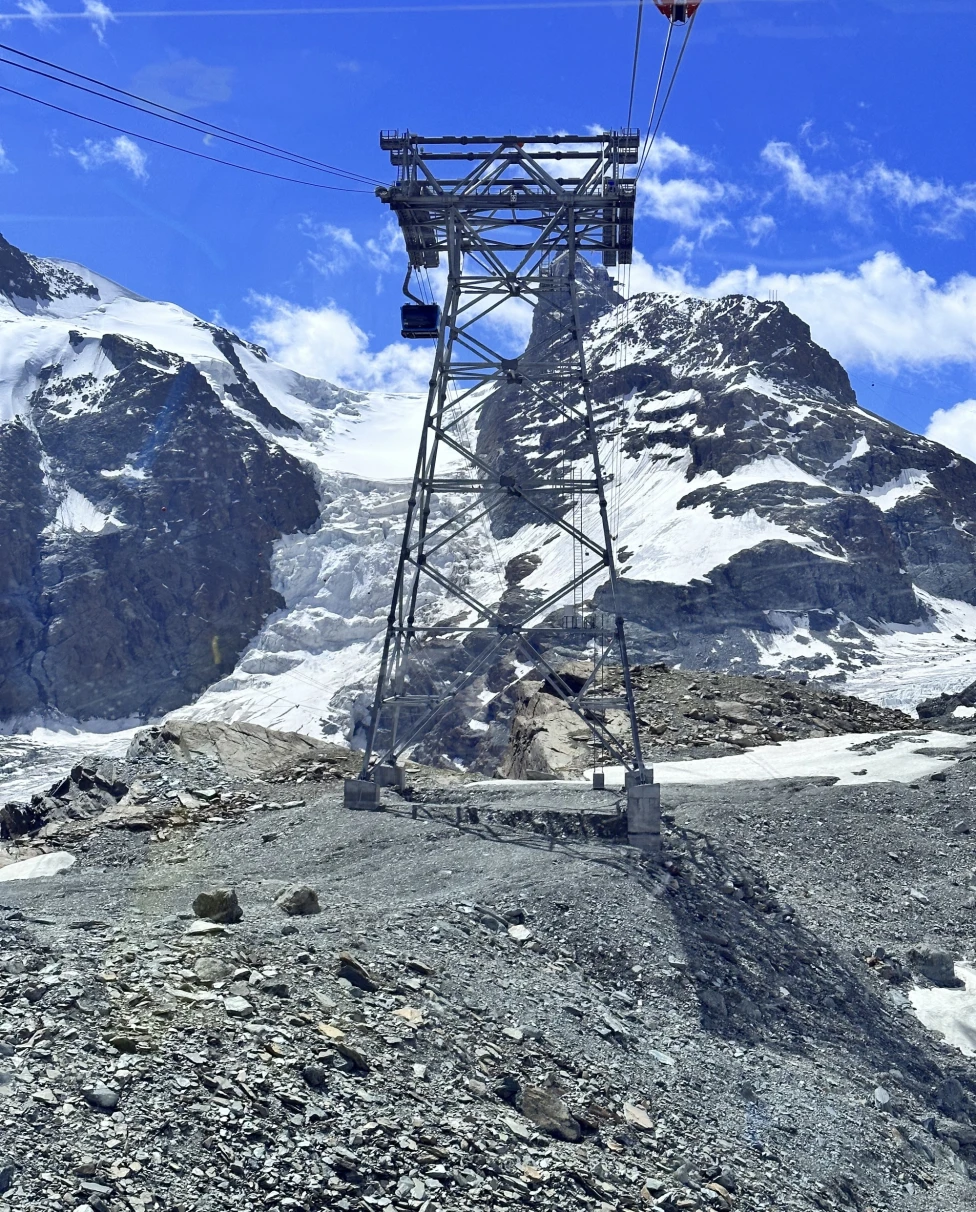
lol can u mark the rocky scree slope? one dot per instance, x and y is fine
(680, 714)
(763, 518)
(474, 1016)
(144, 478)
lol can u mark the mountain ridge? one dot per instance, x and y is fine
(758, 499)
(764, 520)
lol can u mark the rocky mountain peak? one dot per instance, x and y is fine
(19, 277)
(141, 496)
(30, 282)
(762, 516)
(732, 338)
(176, 517)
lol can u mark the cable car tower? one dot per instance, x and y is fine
(512, 218)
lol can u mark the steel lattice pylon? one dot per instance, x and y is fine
(512, 217)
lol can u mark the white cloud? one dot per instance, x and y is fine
(121, 150)
(884, 314)
(184, 83)
(823, 190)
(669, 153)
(99, 15)
(955, 427)
(682, 201)
(690, 201)
(6, 164)
(337, 249)
(508, 326)
(943, 206)
(758, 227)
(327, 343)
(38, 12)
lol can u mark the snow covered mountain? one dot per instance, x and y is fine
(185, 524)
(159, 478)
(764, 520)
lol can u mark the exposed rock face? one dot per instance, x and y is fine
(139, 503)
(685, 714)
(952, 711)
(758, 500)
(240, 749)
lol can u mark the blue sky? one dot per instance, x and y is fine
(818, 149)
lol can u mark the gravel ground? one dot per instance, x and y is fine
(498, 1002)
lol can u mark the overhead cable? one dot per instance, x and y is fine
(175, 116)
(338, 10)
(657, 89)
(633, 71)
(652, 131)
(121, 130)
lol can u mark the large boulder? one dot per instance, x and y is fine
(245, 750)
(936, 966)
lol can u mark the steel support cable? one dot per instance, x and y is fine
(649, 143)
(485, 516)
(633, 70)
(121, 130)
(658, 83)
(198, 126)
(455, 402)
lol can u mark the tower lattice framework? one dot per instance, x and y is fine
(511, 218)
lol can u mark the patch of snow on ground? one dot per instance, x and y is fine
(853, 759)
(792, 641)
(668, 543)
(950, 1012)
(773, 467)
(379, 442)
(920, 661)
(860, 448)
(32, 761)
(42, 866)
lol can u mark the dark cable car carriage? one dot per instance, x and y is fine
(419, 321)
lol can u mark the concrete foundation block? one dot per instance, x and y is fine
(361, 795)
(644, 817)
(390, 776)
(632, 777)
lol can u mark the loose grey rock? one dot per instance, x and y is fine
(102, 1096)
(351, 970)
(936, 966)
(238, 1007)
(221, 906)
(298, 901)
(315, 1076)
(356, 1058)
(951, 1098)
(208, 970)
(548, 1112)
